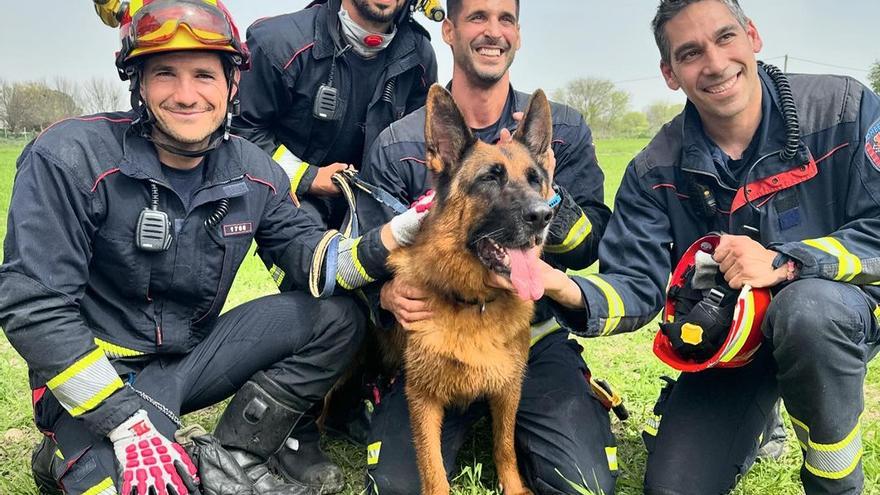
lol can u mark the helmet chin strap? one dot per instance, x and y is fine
(146, 121)
(215, 139)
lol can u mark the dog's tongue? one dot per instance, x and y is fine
(525, 274)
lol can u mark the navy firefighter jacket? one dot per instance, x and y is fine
(76, 291)
(292, 55)
(821, 209)
(396, 163)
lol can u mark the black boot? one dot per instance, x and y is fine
(346, 414)
(255, 425)
(302, 461)
(43, 467)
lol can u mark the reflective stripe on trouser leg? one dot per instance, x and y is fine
(818, 330)
(832, 460)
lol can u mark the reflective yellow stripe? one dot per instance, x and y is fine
(297, 177)
(836, 475)
(292, 165)
(373, 453)
(611, 454)
(834, 460)
(105, 487)
(342, 283)
(575, 237)
(97, 398)
(277, 274)
(877, 314)
(801, 431)
(543, 329)
(744, 329)
(357, 262)
(85, 384)
(616, 309)
(115, 351)
(832, 447)
(849, 265)
(280, 154)
(77, 367)
(852, 262)
(652, 424)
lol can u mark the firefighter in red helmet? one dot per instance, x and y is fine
(126, 231)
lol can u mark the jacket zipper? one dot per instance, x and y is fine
(707, 174)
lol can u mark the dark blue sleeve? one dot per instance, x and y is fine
(634, 263)
(580, 221)
(263, 95)
(53, 218)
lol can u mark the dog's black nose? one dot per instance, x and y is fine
(538, 214)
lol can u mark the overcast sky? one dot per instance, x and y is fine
(562, 40)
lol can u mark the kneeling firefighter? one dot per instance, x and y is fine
(152, 212)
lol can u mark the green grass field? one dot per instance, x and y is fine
(626, 361)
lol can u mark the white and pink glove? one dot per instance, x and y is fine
(405, 226)
(149, 460)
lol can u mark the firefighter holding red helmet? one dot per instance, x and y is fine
(126, 231)
(788, 167)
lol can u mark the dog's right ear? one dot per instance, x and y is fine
(447, 137)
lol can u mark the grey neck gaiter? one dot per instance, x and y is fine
(363, 42)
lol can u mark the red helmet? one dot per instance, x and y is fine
(744, 335)
(155, 26)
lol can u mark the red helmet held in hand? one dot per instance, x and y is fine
(705, 327)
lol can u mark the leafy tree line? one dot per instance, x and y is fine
(34, 105)
(607, 109)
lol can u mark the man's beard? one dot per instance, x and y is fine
(482, 77)
(373, 14)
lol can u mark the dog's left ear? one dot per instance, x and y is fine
(536, 130)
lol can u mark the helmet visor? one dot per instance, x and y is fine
(158, 22)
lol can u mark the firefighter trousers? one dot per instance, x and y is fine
(302, 343)
(563, 434)
(819, 337)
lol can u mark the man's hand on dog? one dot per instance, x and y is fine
(407, 303)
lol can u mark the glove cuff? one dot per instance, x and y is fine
(405, 226)
(128, 428)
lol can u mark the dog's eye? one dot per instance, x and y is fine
(533, 177)
(494, 174)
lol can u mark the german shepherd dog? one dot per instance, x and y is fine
(489, 215)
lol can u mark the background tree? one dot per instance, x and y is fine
(631, 125)
(874, 76)
(6, 89)
(33, 106)
(659, 113)
(102, 95)
(598, 100)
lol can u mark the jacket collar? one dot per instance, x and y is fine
(140, 160)
(770, 135)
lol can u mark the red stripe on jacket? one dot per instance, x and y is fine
(783, 180)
